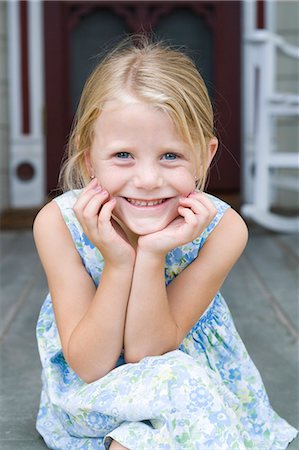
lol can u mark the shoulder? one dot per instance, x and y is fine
(51, 233)
(48, 223)
(227, 219)
(229, 238)
(227, 234)
(222, 248)
(232, 225)
(56, 214)
(48, 216)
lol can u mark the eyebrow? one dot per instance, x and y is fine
(126, 147)
(118, 146)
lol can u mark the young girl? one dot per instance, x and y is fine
(138, 347)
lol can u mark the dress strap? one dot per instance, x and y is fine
(66, 203)
(221, 207)
(90, 255)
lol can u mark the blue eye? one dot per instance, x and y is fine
(170, 156)
(123, 155)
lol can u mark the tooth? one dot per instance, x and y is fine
(145, 203)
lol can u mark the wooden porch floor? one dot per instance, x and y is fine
(261, 291)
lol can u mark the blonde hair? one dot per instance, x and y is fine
(156, 74)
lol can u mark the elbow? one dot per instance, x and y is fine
(132, 357)
(138, 350)
(85, 371)
(135, 355)
(87, 374)
(91, 378)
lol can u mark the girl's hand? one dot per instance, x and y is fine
(94, 211)
(195, 213)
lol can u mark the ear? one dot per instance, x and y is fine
(88, 163)
(212, 149)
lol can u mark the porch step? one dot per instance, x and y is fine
(17, 219)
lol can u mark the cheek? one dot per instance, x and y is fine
(107, 181)
(185, 182)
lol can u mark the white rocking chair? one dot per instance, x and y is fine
(268, 106)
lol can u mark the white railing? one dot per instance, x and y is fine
(268, 105)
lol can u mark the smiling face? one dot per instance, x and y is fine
(138, 156)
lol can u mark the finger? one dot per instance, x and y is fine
(94, 205)
(196, 206)
(91, 184)
(106, 212)
(202, 197)
(188, 215)
(200, 205)
(87, 193)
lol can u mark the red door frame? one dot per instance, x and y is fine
(222, 16)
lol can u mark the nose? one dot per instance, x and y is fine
(148, 176)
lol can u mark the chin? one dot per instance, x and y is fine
(144, 231)
(142, 226)
(146, 228)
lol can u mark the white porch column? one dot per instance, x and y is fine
(26, 149)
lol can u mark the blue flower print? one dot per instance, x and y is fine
(234, 374)
(75, 233)
(99, 423)
(219, 417)
(87, 242)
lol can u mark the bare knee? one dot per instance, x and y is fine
(117, 446)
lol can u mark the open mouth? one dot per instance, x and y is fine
(146, 203)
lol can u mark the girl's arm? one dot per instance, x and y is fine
(158, 318)
(90, 321)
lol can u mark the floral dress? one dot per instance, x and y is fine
(207, 394)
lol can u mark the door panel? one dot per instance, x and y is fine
(88, 41)
(182, 28)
